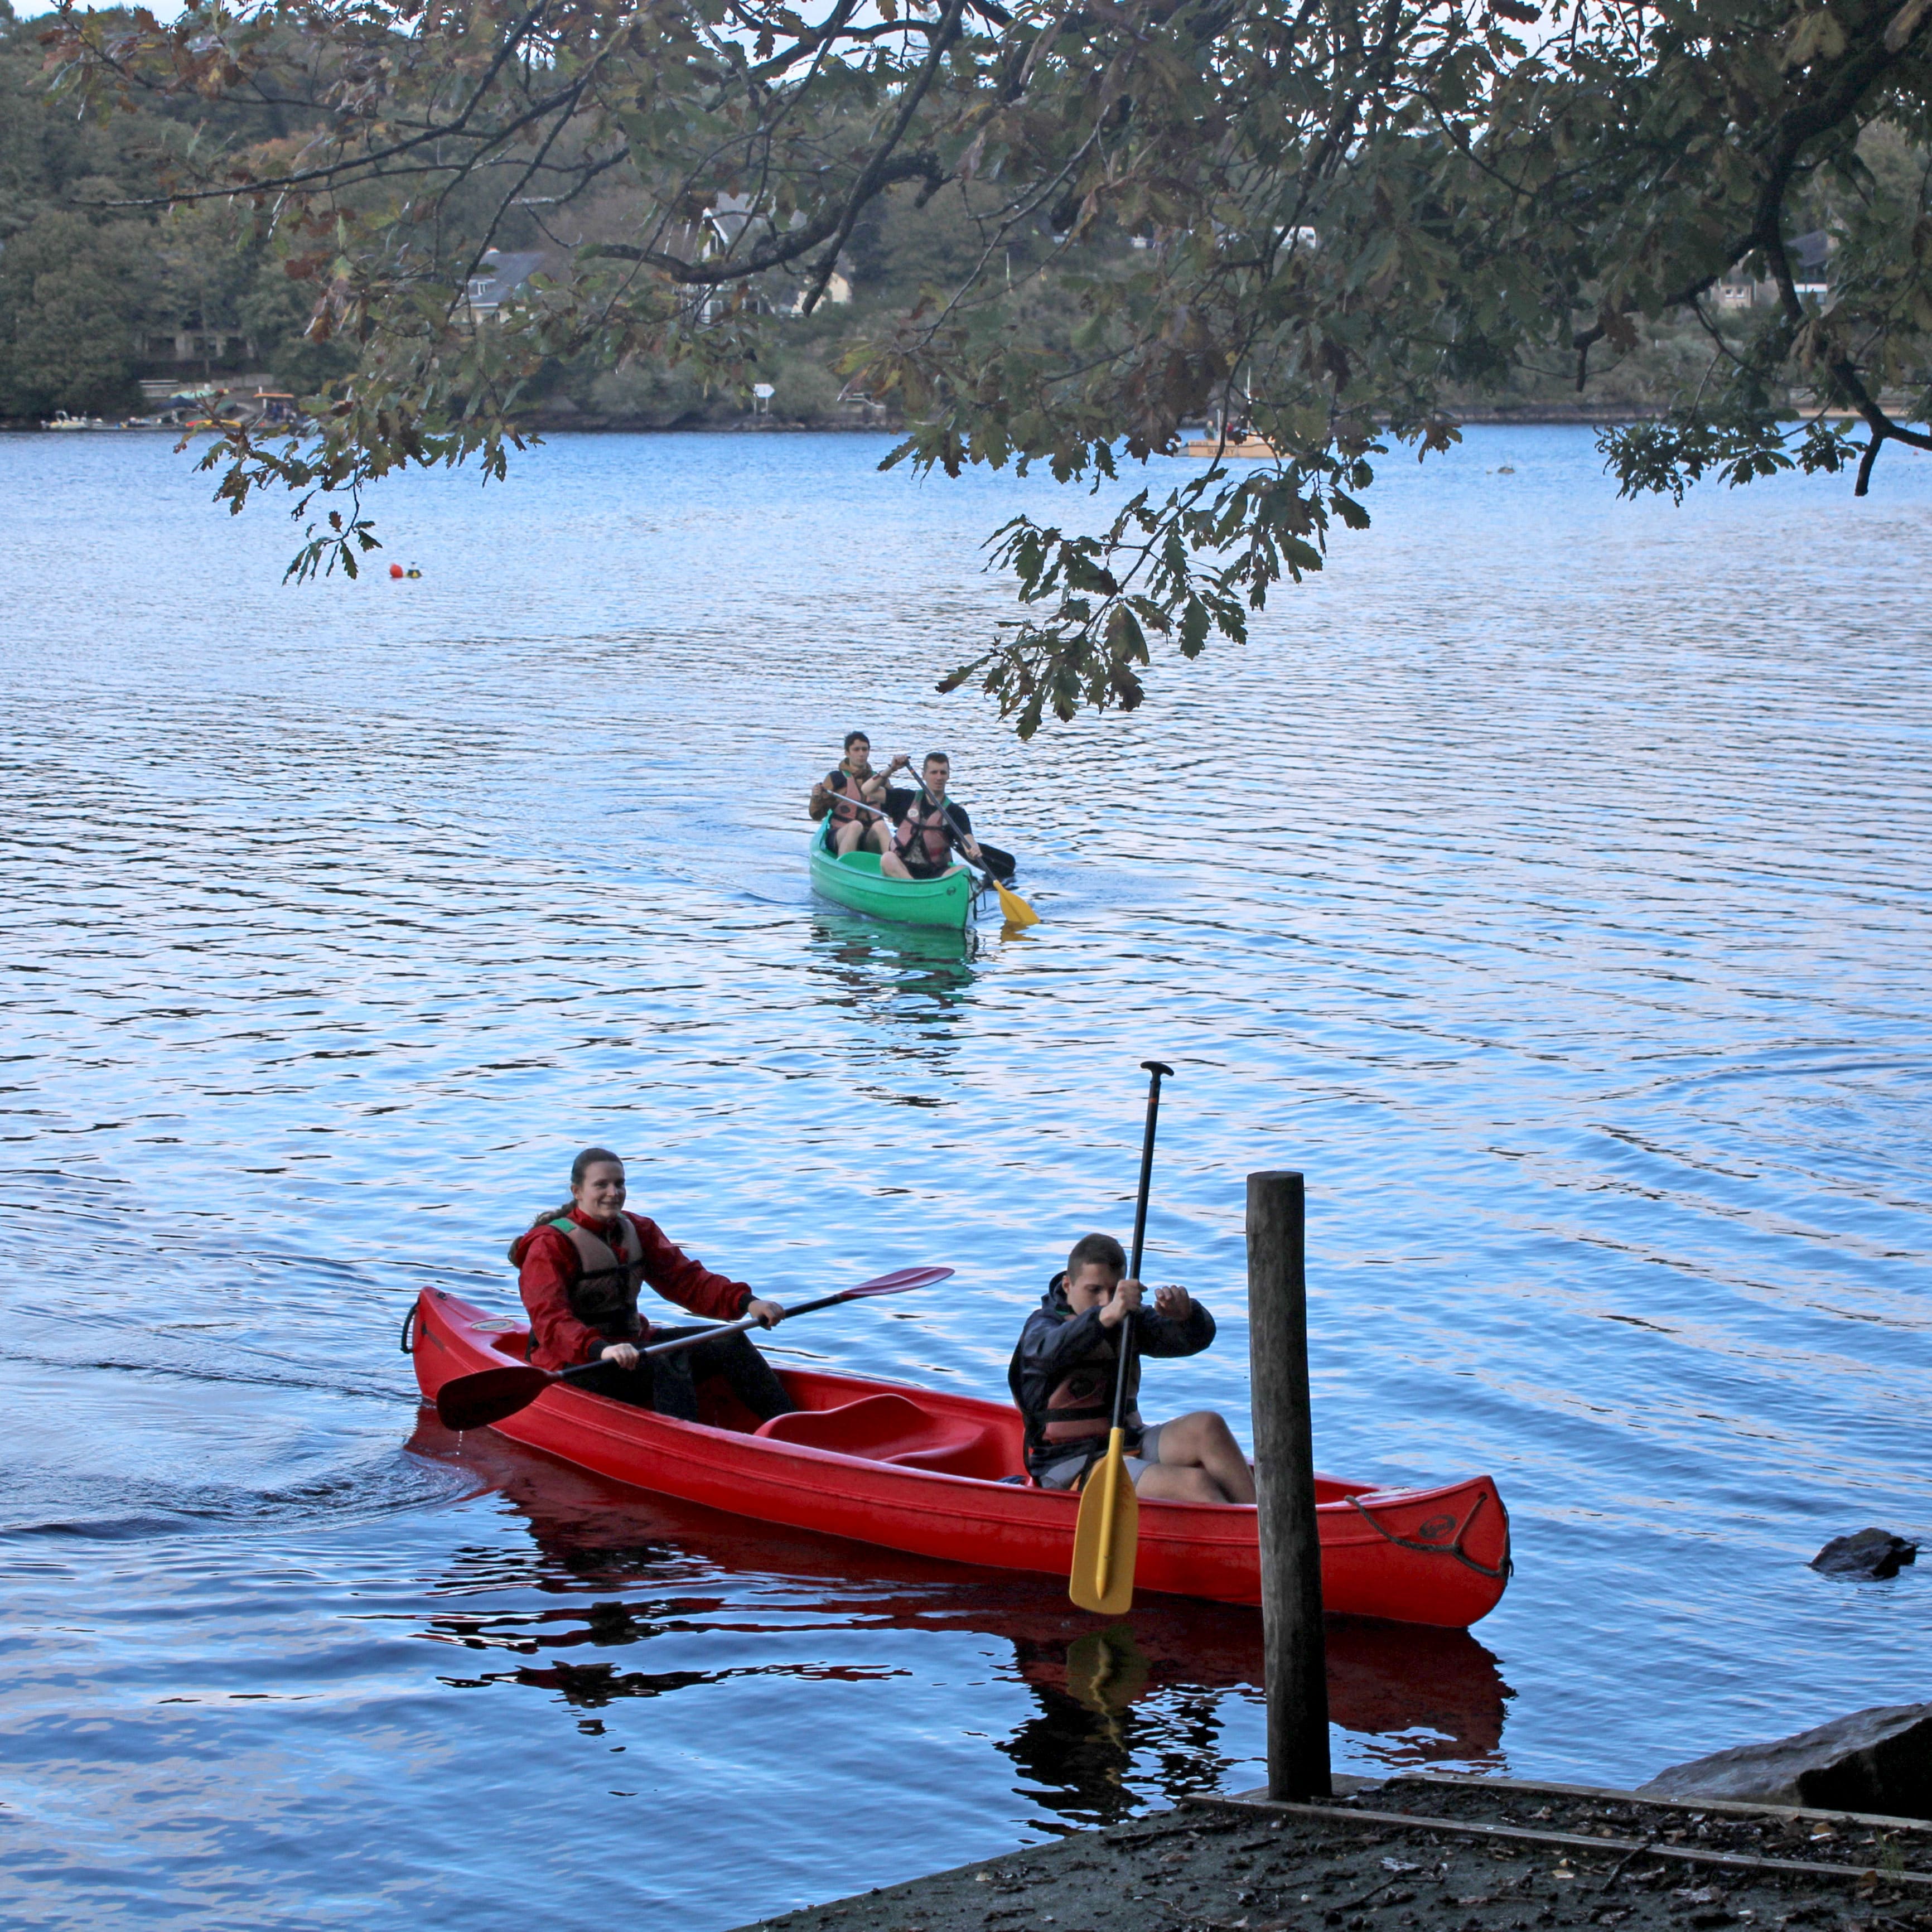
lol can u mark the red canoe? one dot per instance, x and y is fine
(919, 1470)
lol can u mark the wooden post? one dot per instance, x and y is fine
(1297, 1658)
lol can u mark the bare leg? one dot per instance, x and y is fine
(1166, 1484)
(894, 867)
(1200, 1462)
(848, 837)
(877, 837)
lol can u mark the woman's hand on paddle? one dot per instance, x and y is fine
(1118, 1306)
(769, 1313)
(1174, 1302)
(621, 1353)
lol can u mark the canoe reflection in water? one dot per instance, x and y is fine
(859, 960)
(1148, 1692)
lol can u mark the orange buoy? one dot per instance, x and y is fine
(395, 570)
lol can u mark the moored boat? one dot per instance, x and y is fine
(1236, 448)
(855, 880)
(929, 1472)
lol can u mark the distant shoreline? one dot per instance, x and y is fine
(545, 423)
(1581, 415)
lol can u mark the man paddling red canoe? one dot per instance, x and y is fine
(1062, 1373)
(579, 1269)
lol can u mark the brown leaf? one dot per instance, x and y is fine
(1618, 327)
(1904, 24)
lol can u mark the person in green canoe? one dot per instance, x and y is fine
(927, 825)
(1062, 1378)
(847, 789)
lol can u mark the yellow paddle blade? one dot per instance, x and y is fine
(1016, 909)
(1107, 1539)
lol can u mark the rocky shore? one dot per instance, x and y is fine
(1431, 1854)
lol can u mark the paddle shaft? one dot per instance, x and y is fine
(736, 1327)
(474, 1401)
(1157, 1071)
(1114, 1472)
(745, 1322)
(878, 811)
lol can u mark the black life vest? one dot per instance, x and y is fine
(1080, 1406)
(930, 831)
(604, 1295)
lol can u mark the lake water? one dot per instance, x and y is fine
(1547, 881)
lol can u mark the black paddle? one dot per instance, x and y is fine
(1002, 865)
(1106, 1536)
(475, 1401)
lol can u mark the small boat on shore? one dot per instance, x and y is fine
(931, 1474)
(855, 882)
(1236, 448)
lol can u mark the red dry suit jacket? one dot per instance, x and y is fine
(548, 1265)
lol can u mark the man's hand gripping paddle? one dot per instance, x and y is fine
(474, 1401)
(1107, 1539)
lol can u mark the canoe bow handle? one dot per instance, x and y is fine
(1506, 1570)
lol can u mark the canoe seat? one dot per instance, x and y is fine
(884, 1429)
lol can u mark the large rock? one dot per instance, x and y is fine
(1868, 1552)
(1876, 1760)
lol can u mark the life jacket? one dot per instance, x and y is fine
(604, 1294)
(1080, 1406)
(930, 832)
(845, 788)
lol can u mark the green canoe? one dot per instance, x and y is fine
(854, 881)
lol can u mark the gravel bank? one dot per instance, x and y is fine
(1214, 1867)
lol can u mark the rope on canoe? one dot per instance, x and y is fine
(1504, 1570)
(408, 1342)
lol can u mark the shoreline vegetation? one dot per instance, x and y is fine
(872, 421)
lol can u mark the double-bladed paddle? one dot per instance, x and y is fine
(475, 1401)
(1106, 1540)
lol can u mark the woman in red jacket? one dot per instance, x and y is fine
(579, 1271)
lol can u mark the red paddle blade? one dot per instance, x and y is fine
(897, 1282)
(474, 1401)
